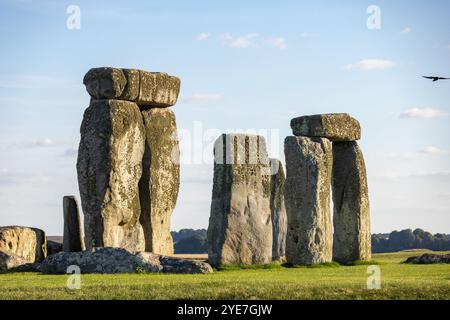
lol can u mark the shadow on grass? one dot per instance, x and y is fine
(312, 266)
(230, 267)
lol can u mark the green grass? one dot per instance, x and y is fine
(398, 281)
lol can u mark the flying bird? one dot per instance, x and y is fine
(436, 78)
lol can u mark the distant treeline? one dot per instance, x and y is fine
(408, 239)
(194, 241)
(190, 241)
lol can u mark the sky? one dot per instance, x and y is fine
(245, 66)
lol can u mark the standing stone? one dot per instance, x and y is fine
(109, 169)
(160, 179)
(309, 164)
(333, 126)
(73, 237)
(352, 239)
(240, 227)
(29, 244)
(278, 210)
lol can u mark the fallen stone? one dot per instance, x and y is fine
(109, 168)
(333, 126)
(278, 210)
(9, 261)
(307, 197)
(73, 237)
(351, 218)
(160, 180)
(240, 227)
(147, 89)
(429, 258)
(118, 260)
(26, 243)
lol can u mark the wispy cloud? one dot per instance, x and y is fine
(70, 152)
(432, 150)
(278, 42)
(407, 30)
(245, 41)
(427, 113)
(203, 36)
(8, 178)
(426, 151)
(309, 35)
(370, 65)
(38, 143)
(203, 97)
(34, 82)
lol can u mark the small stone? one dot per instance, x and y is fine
(160, 180)
(10, 261)
(309, 164)
(351, 218)
(278, 210)
(333, 126)
(429, 258)
(118, 260)
(27, 243)
(73, 237)
(240, 226)
(109, 169)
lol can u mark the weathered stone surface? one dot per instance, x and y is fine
(118, 260)
(109, 169)
(73, 236)
(26, 243)
(160, 179)
(158, 89)
(147, 89)
(53, 247)
(309, 164)
(10, 261)
(351, 218)
(333, 126)
(240, 227)
(278, 210)
(429, 258)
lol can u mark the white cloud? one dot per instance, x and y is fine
(370, 64)
(70, 152)
(432, 150)
(246, 41)
(427, 113)
(203, 36)
(309, 35)
(278, 42)
(407, 30)
(204, 97)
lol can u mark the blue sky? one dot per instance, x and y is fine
(243, 65)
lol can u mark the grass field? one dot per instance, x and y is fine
(398, 281)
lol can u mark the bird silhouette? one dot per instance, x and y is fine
(436, 78)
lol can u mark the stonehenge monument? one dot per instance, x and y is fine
(309, 164)
(118, 147)
(73, 234)
(278, 210)
(322, 154)
(240, 226)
